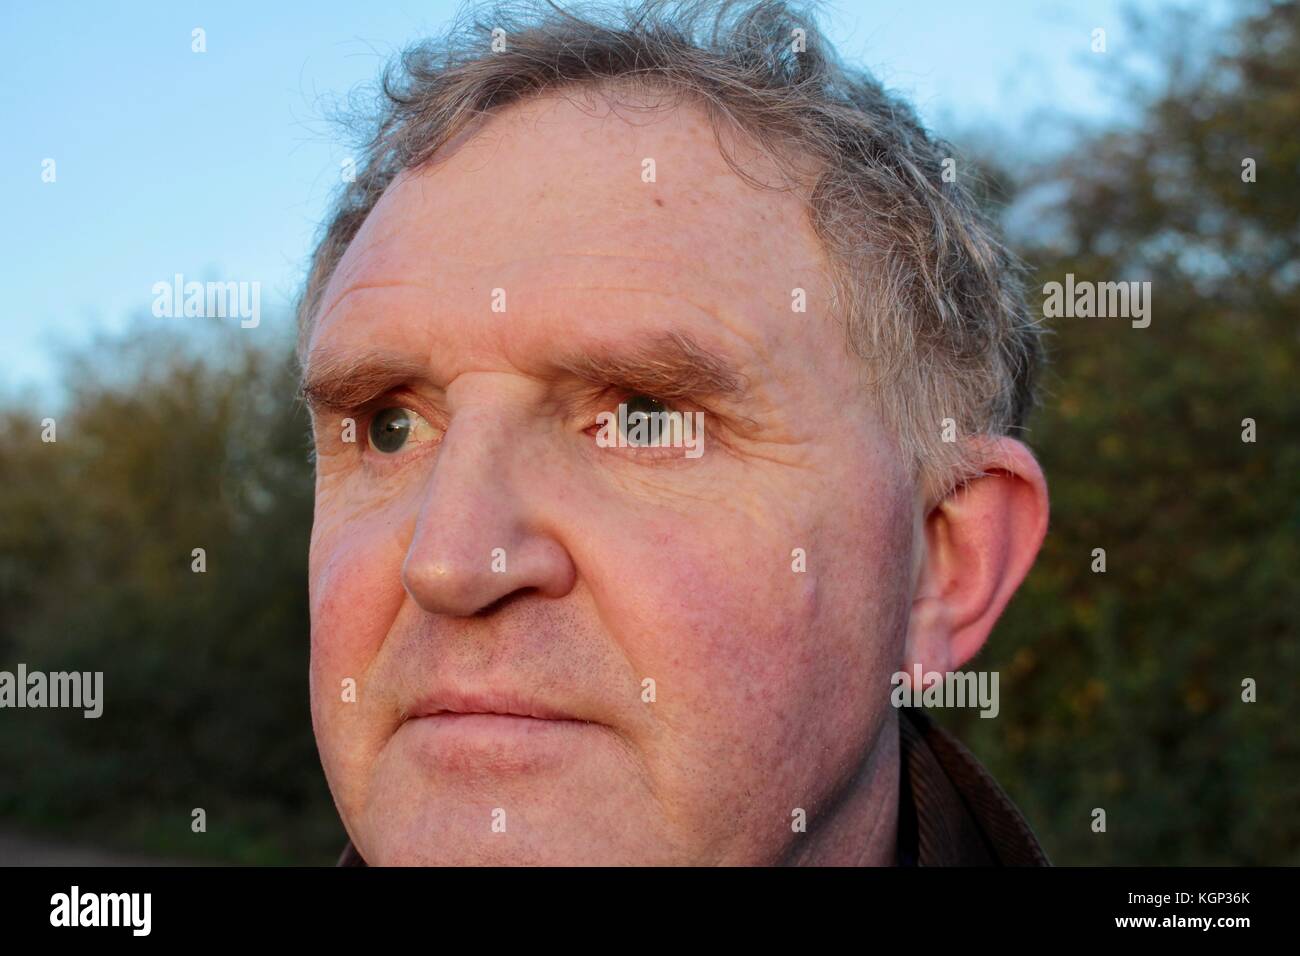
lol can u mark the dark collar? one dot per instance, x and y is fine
(951, 812)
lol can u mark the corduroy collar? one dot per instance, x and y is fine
(959, 814)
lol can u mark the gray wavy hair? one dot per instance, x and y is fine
(929, 295)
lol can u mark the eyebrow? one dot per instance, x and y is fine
(667, 365)
(334, 381)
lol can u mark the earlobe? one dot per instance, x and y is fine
(980, 542)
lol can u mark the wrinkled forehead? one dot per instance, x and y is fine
(580, 178)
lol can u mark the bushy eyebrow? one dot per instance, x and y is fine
(334, 381)
(665, 365)
(670, 366)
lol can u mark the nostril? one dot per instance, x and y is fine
(504, 601)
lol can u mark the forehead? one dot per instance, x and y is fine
(564, 198)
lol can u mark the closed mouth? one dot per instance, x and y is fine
(453, 704)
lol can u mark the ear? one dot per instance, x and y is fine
(977, 545)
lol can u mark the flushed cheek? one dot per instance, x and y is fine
(760, 657)
(355, 593)
(724, 628)
(355, 577)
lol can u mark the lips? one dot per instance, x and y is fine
(502, 704)
(452, 733)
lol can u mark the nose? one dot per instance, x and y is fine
(481, 533)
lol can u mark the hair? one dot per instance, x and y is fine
(929, 296)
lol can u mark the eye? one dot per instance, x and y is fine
(650, 429)
(392, 429)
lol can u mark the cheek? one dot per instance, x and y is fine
(354, 593)
(757, 664)
(714, 613)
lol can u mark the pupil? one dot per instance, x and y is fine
(641, 407)
(389, 430)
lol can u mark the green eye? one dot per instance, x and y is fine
(640, 408)
(389, 430)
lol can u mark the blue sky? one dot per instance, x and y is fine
(221, 164)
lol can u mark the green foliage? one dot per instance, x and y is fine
(1123, 690)
(163, 450)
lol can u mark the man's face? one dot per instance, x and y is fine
(492, 558)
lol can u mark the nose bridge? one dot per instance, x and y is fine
(476, 465)
(476, 538)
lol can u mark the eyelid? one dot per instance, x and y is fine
(609, 397)
(403, 398)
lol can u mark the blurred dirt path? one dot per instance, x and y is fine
(20, 849)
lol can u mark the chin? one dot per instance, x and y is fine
(455, 843)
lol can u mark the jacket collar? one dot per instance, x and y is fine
(951, 811)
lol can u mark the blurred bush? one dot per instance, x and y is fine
(167, 444)
(1123, 690)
